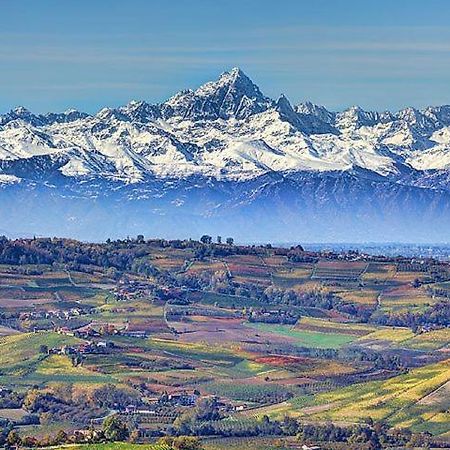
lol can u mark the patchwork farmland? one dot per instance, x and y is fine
(252, 334)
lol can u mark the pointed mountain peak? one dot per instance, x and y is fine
(356, 117)
(318, 111)
(305, 122)
(21, 111)
(233, 95)
(284, 104)
(282, 96)
(409, 113)
(234, 79)
(354, 111)
(233, 75)
(236, 71)
(135, 103)
(307, 107)
(23, 114)
(140, 111)
(440, 115)
(286, 111)
(110, 114)
(418, 120)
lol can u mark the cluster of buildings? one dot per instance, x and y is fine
(177, 399)
(63, 314)
(97, 329)
(129, 290)
(272, 316)
(100, 347)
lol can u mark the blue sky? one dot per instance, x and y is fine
(380, 54)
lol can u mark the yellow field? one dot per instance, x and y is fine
(430, 340)
(415, 400)
(397, 400)
(21, 348)
(298, 272)
(379, 271)
(332, 326)
(396, 335)
(60, 365)
(363, 296)
(275, 261)
(200, 266)
(405, 338)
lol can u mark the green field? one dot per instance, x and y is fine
(19, 352)
(212, 444)
(305, 338)
(20, 357)
(405, 338)
(254, 393)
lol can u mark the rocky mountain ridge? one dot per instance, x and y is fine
(227, 154)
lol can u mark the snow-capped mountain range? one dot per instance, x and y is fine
(228, 137)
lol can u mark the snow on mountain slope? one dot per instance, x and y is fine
(435, 157)
(226, 129)
(19, 139)
(8, 179)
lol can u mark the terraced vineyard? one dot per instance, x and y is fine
(337, 271)
(403, 401)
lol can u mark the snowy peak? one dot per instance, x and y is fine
(416, 120)
(316, 110)
(225, 129)
(439, 115)
(68, 116)
(233, 95)
(21, 113)
(234, 83)
(284, 107)
(355, 117)
(306, 123)
(140, 112)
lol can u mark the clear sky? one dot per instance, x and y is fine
(380, 54)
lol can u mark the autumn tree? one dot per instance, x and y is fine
(13, 439)
(114, 429)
